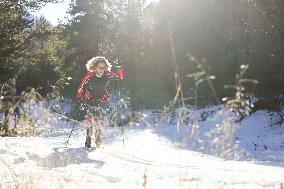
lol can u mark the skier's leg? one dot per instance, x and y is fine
(89, 129)
(99, 126)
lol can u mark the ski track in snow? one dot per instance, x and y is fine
(146, 159)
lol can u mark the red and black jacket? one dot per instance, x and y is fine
(94, 89)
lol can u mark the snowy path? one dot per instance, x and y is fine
(147, 160)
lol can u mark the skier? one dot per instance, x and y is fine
(93, 94)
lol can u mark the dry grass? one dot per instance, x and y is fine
(21, 106)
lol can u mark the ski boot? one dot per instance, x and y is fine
(88, 142)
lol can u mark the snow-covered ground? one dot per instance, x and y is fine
(150, 154)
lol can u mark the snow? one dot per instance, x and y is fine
(149, 154)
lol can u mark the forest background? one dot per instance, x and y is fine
(152, 40)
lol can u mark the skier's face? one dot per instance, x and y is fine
(101, 68)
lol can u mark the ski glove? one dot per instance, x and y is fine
(117, 63)
(118, 68)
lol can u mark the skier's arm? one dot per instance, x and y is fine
(83, 93)
(83, 85)
(118, 68)
(112, 75)
(116, 71)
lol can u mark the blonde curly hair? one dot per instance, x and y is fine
(91, 64)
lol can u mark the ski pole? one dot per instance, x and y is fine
(78, 114)
(67, 142)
